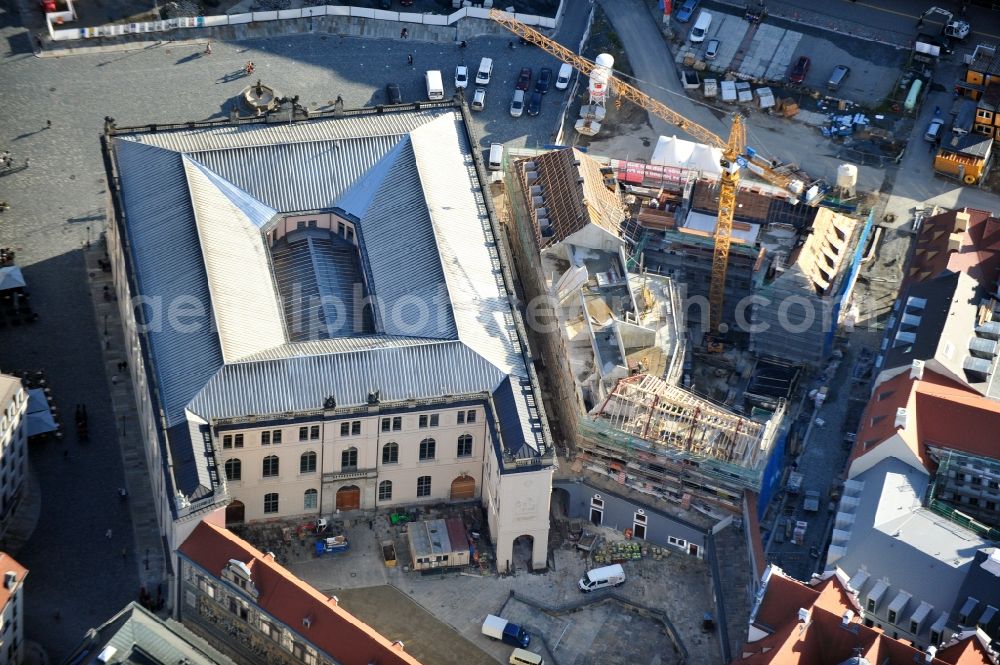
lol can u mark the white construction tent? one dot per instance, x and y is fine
(672, 151)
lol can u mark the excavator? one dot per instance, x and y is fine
(735, 155)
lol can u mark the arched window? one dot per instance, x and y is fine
(390, 453)
(427, 448)
(234, 469)
(307, 462)
(271, 502)
(385, 490)
(349, 459)
(270, 466)
(464, 446)
(310, 500)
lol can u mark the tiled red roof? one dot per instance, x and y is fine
(9, 564)
(288, 599)
(967, 652)
(979, 254)
(942, 412)
(824, 640)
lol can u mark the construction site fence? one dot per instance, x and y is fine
(963, 520)
(599, 433)
(603, 596)
(54, 19)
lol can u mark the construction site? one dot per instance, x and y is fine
(687, 295)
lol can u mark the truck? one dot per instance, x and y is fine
(953, 28)
(794, 484)
(510, 633)
(600, 578)
(334, 545)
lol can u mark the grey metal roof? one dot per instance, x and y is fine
(430, 370)
(980, 584)
(236, 262)
(904, 546)
(138, 636)
(322, 347)
(163, 240)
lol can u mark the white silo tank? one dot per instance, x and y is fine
(847, 177)
(598, 85)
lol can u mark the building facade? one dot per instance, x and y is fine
(13, 446)
(240, 599)
(11, 610)
(328, 334)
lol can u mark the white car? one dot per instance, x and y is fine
(479, 99)
(517, 104)
(461, 77)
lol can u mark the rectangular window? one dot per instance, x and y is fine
(397, 423)
(227, 441)
(310, 499)
(470, 416)
(935, 638)
(423, 486)
(892, 616)
(871, 604)
(386, 424)
(914, 627)
(385, 490)
(345, 428)
(314, 432)
(238, 441)
(423, 422)
(276, 436)
(312, 223)
(303, 434)
(461, 417)
(271, 502)
(464, 446)
(356, 428)
(427, 449)
(265, 438)
(434, 420)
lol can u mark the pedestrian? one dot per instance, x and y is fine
(107, 534)
(208, 48)
(937, 111)
(48, 124)
(409, 59)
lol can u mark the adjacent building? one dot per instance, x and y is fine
(136, 635)
(323, 322)
(11, 610)
(13, 446)
(982, 84)
(241, 599)
(819, 624)
(617, 349)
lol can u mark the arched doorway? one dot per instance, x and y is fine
(559, 504)
(521, 553)
(463, 487)
(235, 513)
(349, 498)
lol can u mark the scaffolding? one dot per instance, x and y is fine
(665, 440)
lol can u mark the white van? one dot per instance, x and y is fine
(485, 71)
(435, 89)
(523, 657)
(700, 29)
(601, 578)
(496, 157)
(562, 78)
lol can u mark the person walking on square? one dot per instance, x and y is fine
(409, 59)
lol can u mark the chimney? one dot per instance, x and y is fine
(917, 370)
(900, 418)
(307, 622)
(961, 221)
(803, 615)
(954, 242)
(930, 654)
(398, 645)
(846, 619)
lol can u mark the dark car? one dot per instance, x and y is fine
(524, 79)
(394, 96)
(686, 11)
(535, 103)
(799, 70)
(544, 80)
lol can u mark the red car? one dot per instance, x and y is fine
(799, 70)
(524, 79)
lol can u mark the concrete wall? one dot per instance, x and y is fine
(619, 513)
(523, 510)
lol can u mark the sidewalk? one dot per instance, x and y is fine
(148, 552)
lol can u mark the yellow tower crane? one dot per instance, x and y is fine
(732, 151)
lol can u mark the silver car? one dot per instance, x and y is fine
(712, 49)
(517, 104)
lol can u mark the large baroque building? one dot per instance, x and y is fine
(318, 318)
